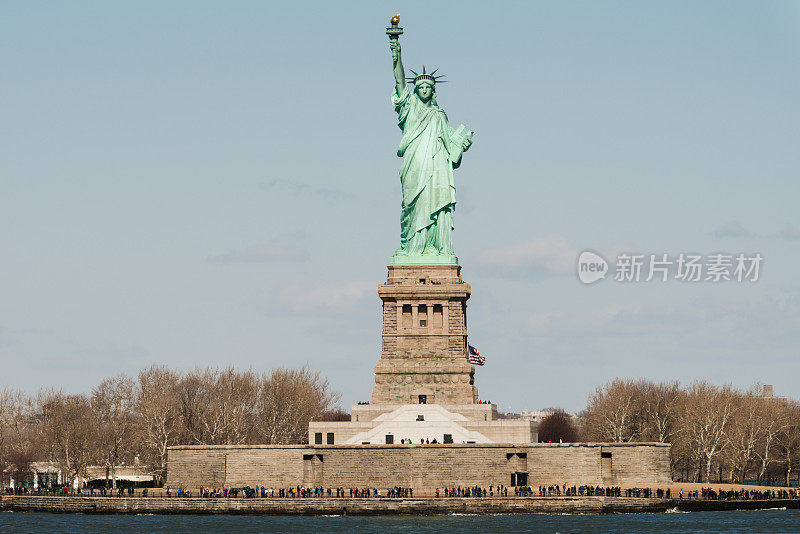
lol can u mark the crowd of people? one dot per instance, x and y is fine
(554, 490)
(80, 492)
(473, 491)
(740, 495)
(299, 492)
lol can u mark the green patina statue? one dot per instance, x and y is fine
(430, 149)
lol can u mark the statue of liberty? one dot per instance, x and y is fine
(430, 149)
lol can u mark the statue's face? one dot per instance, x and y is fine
(425, 91)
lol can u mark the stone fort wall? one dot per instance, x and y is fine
(422, 467)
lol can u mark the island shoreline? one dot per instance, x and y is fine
(376, 506)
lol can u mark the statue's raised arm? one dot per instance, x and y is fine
(397, 61)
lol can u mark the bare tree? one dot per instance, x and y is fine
(236, 393)
(19, 463)
(190, 397)
(615, 411)
(775, 418)
(69, 431)
(789, 441)
(661, 402)
(157, 403)
(287, 400)
(706, 415)
(18, 443)
(744, 433)
(113, 405)
(217, 407)
(7, 404)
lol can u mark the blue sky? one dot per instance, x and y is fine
(209, 183)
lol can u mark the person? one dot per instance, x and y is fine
(430, 149)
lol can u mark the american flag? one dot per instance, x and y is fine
(475, 356)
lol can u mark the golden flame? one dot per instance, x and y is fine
(395, 20)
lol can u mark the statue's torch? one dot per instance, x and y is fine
(394, 31)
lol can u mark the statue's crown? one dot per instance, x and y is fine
(429, 77)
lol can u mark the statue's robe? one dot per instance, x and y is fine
(430, 149)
